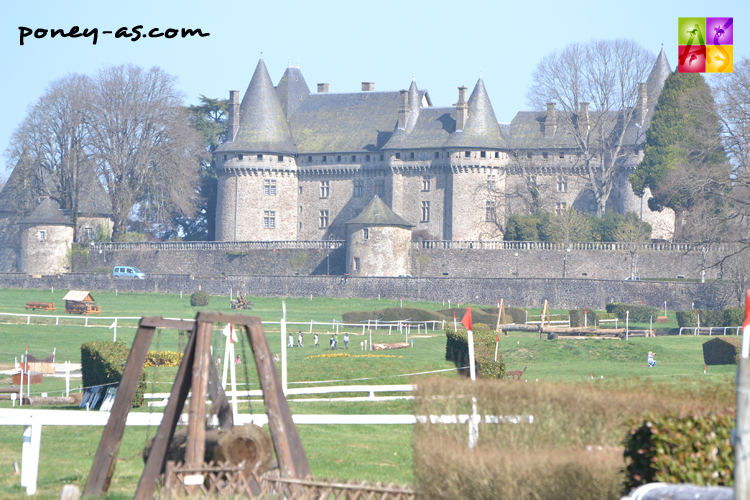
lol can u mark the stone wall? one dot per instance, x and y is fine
(569, 293)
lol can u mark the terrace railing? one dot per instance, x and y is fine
(222, 245)
(561, 246)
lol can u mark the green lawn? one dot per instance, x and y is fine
(377, 453)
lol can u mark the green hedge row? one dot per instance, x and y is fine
(392, 314)
(673, 448)
(638, 313)
(577, 318)
(722, 351)
(728, 317)
(103, 363)
(514, 315)
(477, 315)
(457, 350)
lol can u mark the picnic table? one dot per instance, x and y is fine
(47, 306)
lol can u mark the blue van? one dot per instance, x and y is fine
(128, 273)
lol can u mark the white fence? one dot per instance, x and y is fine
(711, 330)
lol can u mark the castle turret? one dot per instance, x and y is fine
(46, 236)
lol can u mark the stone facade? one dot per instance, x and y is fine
(44, 248)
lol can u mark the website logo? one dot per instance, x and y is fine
(705, 44)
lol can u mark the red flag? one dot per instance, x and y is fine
(467, 319)
(498, 337)
(747, 310)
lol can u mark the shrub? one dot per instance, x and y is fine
(687, 319)
(103, 362)
(692, 448)
(477, 315)
(712, 318)
(734, 316)
(130, 238)
(722, 351)
(638, 313)
(392, 314)
(102, 270)
(199, 299)
(514, 315)
(457, 350)
(162, 359)
(577, 318)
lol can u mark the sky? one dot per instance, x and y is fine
(443, 45)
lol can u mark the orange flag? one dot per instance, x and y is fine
(747, 310)
(467, 319)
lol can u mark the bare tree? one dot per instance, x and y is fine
(145, 150)
(633, 233)
(50, 144)
(569, 226)
(603, 74)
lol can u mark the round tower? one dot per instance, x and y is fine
(46, 237)
(378, 242)
(256, 167)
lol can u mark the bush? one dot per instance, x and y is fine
(199, 299)
(638, 313)
(392, 314)
(514, 315)
(457, 350)
(712, 318)
(102, 270)
(693, 448)
(686, 319)
(162, 359)
(722, 351)
(734, 316)
(103, 362)
(477, 315)
(577, 318)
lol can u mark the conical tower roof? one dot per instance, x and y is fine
(482, 129)
(292, 90)
(47, 213)
(263, 124)
(656, 79)
(414, 105)
(16, 197)
(377, 213)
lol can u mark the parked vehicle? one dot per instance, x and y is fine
(127, 272)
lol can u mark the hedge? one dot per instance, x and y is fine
(163, 359)
(687, 318)
(514, 315)
(199, 299)
(102, 363)
(722, 351)
(672, 448)
(638, 313)
(392, 314)
(457, 350)
(734, 316)
(477, 315)
(577, 317)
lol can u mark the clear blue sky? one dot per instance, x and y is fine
(343, 43)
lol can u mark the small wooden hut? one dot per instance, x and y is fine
(80, 302)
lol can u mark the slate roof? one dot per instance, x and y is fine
(292, 90)
(656, 78)
(263, 125)
(93, 200)
(47, 213)
(14, 195)
(347, 122)
(433, 128)
(482, 129)
(377, 213)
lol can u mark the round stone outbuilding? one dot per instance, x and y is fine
(378, 242)
(46, 236)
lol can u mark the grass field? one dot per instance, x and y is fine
(377, 453)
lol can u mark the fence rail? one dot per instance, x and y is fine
(221, 245)
(711, 330)
(561, 246)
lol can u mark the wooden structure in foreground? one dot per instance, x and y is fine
(80, 302)
(198, 374)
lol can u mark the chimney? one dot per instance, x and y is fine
(461, 109)
(233, 120)
(583, 119)
(403, 109)
(641, 107)
(368, 86)
(550, 123)
(322, 88)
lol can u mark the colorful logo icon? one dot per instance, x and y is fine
(705, 44)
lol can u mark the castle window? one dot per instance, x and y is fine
(260, 157)
(437, 154)
(300, 190)
(562, 184)
(425, 211)
(225, 157)
(560, 208)
(355, 264)
(367, 157)
(42, 236)
(299, 225)
(338, 158)
(544, 155)
(358, 187)
(89, 233)
(300, 209)
(382, 157)
(467, 154)
(240, 157)
(528, 155)
(490, 183)
(354, 158)
(562, 155)
(497, 154)
(269, 219)
(380, 188)
(281, 158)
(309, 159)
(411, 156)
(365, 234)
(483, 154)
(426, 179)
(324, 218)
(398, 156)
(325, 189)
(325, 158)
(269, 187)
(489, 215)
